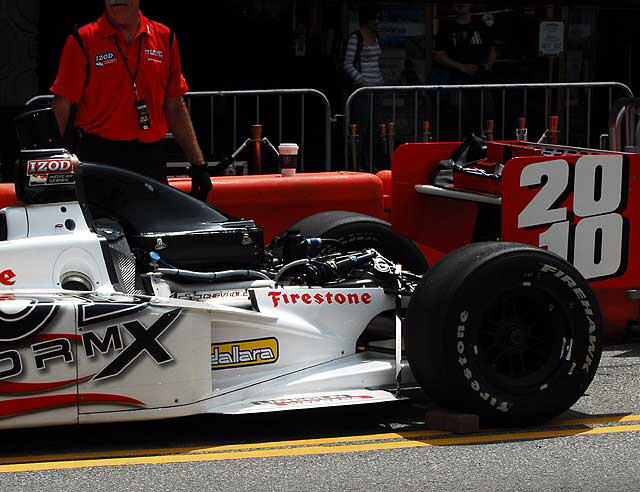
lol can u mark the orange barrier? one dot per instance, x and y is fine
(8, 195)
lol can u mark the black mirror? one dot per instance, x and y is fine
(38, 130)
(472, 149)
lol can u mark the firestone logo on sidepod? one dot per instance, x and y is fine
(351, 298)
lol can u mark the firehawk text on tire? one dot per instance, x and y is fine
(507, 331)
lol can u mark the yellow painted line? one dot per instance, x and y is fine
(595, 420)
(611, 419)
(193, 458)
(313, 450)
(279, 444)
(216, 449)
(523, 436)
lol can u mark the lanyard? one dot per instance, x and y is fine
(133, 77)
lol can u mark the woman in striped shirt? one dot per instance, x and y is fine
(362, 54)
(362, 66)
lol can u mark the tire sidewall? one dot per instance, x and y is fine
(454, 313)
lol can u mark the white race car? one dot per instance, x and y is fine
(125, 299)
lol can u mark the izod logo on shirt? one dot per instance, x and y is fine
(106, 59)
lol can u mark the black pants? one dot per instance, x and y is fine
(461, 111)
(148, 159)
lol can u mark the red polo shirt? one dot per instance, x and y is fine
(106, 104)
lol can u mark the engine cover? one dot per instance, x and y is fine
(219, 246)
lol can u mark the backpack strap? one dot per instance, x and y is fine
(356, 58)
(78, 38)
(172, 37)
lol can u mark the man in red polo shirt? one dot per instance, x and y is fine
(123, 73)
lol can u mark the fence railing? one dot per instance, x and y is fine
(451, 110)
(323, 121)
(624, 125)
(442, 111)
(282, 102)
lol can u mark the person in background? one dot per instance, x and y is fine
(362, 67)
(123, 75)
(363, 52)
(464, 47)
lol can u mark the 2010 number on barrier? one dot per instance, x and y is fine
(596, 243)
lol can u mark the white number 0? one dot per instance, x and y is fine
(596, 242)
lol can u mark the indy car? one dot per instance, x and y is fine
(125, 299)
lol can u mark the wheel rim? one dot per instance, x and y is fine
(522, 335)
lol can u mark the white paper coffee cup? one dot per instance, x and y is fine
(288, 158)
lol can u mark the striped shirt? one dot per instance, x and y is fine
(369, 73)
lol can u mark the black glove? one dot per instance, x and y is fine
(200, 182)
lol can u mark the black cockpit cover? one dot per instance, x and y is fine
(186, 232)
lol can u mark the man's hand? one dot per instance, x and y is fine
(468, 68)
(200, 182)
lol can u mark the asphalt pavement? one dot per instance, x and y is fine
(594, 446)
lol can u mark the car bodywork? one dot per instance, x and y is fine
(116, 353)
(97, 358)
(122, 298)
(579, 203)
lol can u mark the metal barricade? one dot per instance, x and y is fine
(625, 115)
(213, 97)
(574, 103)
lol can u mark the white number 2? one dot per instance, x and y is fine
(596, 241)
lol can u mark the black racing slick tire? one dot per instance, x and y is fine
(506, 331)
(357, 231)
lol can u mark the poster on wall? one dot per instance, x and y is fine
(551, 38)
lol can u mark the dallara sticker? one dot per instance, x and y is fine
(244, 353)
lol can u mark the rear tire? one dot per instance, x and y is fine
(506, 331)
(358, 231)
